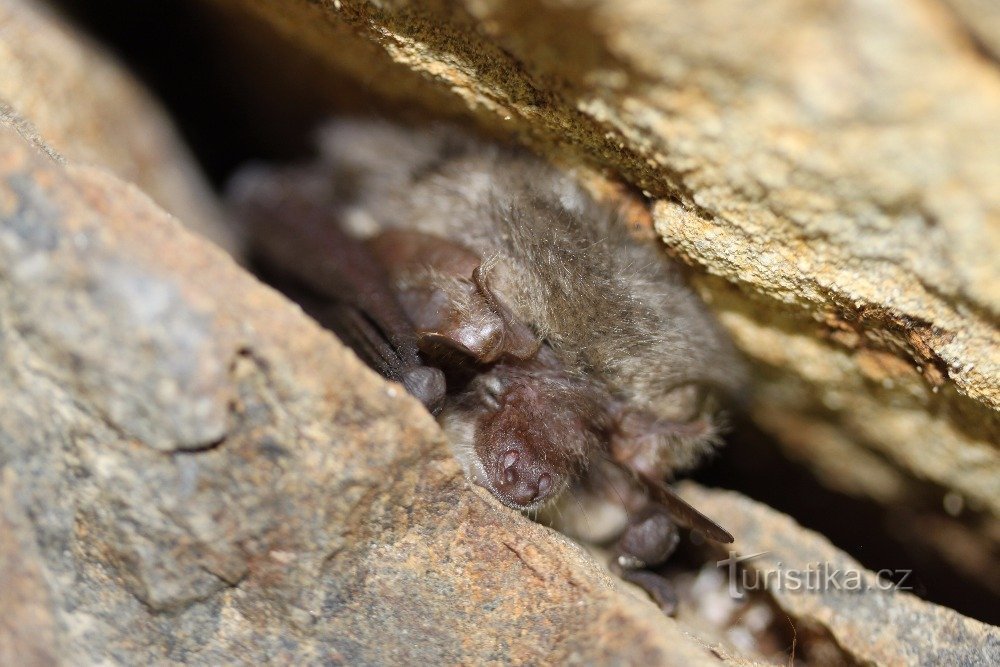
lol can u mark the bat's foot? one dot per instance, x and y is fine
(427, 384)
(658, 588)
(649, 538)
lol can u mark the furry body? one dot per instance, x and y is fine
(601, 353)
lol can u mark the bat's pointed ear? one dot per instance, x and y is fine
(444, 347)
(481, 344)
(479, 328)
(519, 340)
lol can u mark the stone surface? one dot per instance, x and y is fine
(194, 472)
(828, 170)
(55, 84)
(870, 621)
(981, 18)
(27, 619)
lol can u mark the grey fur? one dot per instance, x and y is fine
(583, 360)
(613, 309)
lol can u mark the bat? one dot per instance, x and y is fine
(570, 361)
(316, 253)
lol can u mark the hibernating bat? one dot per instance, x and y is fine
(574, 370)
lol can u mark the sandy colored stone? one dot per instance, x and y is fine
(250, 492)
(981, 18)
(55, 83)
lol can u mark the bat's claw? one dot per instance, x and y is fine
(649, 539)
(427, 385)
(658, 588)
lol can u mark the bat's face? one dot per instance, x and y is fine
(521, 464)
(532, 433)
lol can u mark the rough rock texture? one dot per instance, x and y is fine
(870, 621)
(193, 471)
(55, 84)
(831, 169)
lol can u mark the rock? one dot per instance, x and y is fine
(828, 171)
(981, 19)
(194, 471)
(825, 591)
(27, 623)
(56, 84)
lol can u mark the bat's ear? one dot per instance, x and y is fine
(481, 346)
(447, 349)
(480, 328)
(519, 341)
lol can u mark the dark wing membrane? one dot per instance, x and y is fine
(425, 383)
(301, 238)
(364, 337)
(304, 239)
(684, 514)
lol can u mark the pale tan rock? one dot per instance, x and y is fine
(981, 18)
(824, 591)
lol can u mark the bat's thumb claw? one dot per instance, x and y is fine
(427, 385)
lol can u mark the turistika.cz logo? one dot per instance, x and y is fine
(815, 578)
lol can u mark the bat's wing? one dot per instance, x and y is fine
(684, 514)
(296, 232)
(354, 328)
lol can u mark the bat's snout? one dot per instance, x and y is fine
(522, 481)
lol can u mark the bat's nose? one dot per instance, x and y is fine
(520, 481)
